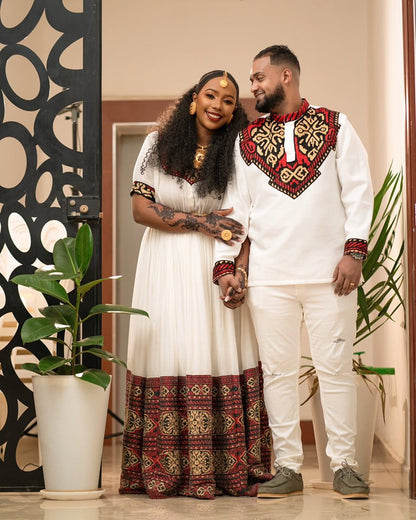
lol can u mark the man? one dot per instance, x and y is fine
(303, 192)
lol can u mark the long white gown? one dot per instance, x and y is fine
(195, 418)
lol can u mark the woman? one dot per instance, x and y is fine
(195, 420)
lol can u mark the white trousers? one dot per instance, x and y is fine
(278, 312)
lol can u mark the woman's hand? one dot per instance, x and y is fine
(216, 225)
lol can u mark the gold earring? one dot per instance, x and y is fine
(230, 119)
(192, 108)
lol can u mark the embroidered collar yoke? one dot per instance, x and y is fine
(289, 149)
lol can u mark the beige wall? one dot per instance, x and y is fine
(387, 145)
(159, 48)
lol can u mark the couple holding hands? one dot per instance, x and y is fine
(276, 212)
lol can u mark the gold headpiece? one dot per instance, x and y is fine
(224, 81)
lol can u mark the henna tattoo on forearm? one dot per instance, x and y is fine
(210, 224)
(188, 222)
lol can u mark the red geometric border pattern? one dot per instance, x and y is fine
(315, 135)
(197, 436)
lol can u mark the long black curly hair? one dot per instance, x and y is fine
(177, 142)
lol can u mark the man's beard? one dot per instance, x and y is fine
(268, 103)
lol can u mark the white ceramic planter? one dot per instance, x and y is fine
(71, 416)
(367, 403)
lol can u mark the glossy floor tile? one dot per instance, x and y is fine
(387, 501)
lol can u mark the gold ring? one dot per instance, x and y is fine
(352, 284)
(226, 235)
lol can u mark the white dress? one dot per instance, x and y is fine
(195, 418)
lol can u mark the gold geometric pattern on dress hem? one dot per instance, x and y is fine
(223, 461)
(244, 458)
(137, 391)
(170, 460)
(202, 491)
(225, 390)
(201, 462)
(223, 422)
(129, 459)
(134, 422)
(164, 391)
(199, 422)
(148, 424)
(255, 449)
(169, 423)
(254, 412)
(147, 462)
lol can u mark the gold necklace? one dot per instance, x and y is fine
(199, 156)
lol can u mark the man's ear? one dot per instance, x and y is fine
(287, 75)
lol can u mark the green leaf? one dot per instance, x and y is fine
(50, 363)
(64, 314)
(40, 328)
(87, 342)
(103, 308)
(84, 247)
(379, 300)
(68, 370)
(64, 256)
(106, 355)
(49, 287)
(88, 286)
(32, 367)
(96, 377)
(54, 275)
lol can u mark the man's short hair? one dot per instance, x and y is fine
(280, 54)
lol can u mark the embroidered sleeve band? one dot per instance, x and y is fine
(356, 245)
(140, 188)
(221, 268)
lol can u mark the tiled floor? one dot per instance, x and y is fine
(387, 501)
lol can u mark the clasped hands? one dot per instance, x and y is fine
(233, 290)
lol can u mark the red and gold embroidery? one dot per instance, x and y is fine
(146, 191)
(315, 135)
(195, 435)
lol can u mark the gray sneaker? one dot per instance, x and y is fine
(286, 482)
(349, 483)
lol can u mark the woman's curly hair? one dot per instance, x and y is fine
(177, 142)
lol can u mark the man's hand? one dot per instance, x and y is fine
(347, 275)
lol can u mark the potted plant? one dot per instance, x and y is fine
(71, 410)
(378, 299)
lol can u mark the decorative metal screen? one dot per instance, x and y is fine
(50, 101)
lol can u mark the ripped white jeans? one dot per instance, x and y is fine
(277, 313)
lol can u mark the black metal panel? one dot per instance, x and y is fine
(79, 89)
